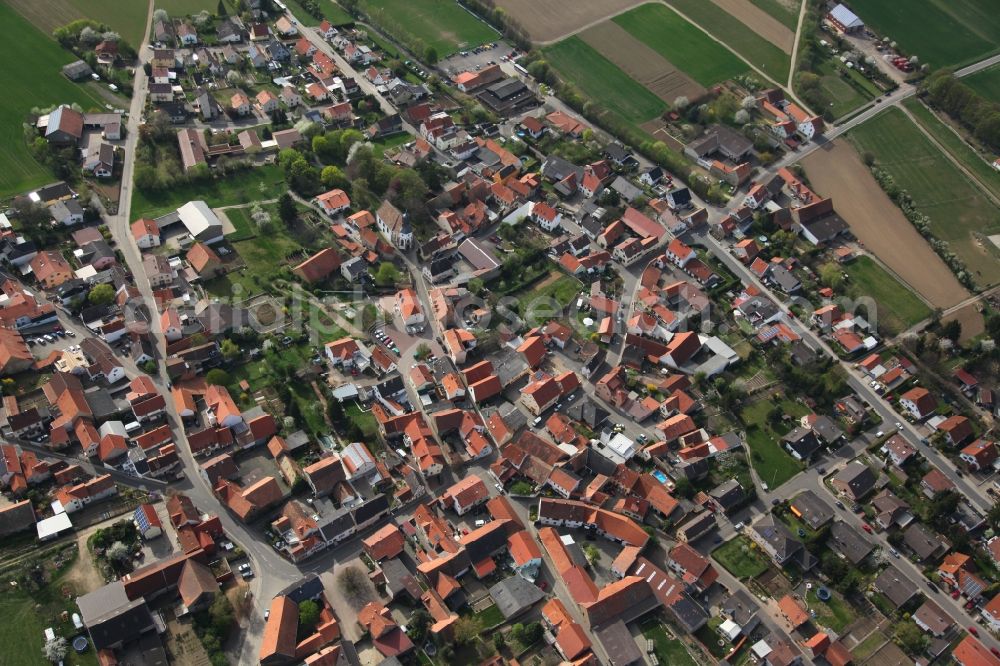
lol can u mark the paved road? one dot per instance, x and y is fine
(279, 572)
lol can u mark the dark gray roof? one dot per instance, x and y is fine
(728, 494)
(111, 617)
(924, 542)
(371, 508)
(16, 518)
(813, 511)
(802, 441)
(849, 542)
(895, 586)
(515, 595)
(778, 536)
(310, 587)
(618, 644)
(740, 607)
(859, 478)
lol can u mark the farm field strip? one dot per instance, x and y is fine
(955, 145)
(442, 24)
(959, 213)
(39, 83)
(760, 22)
(685, 46)
(126, 18)
(548, 22)
(838, 172)
(729, 30)
(787, 14)
(939, 32)
(898, 307)
(986, 83)
(641, 62)
(599, 78)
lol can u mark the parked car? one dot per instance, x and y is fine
(973, 630)
(866, 527)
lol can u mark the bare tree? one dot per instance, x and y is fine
(161, 15)
(55, 649)
(355, 586)
(681, 102)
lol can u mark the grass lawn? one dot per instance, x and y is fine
(761, 53)
(835, 613)
(22, 639)
(364, 420)
(955, 145)
(940, 32)
(959, 214)
(390, 142)
(600, 79)
(563, 289)
(898, 307)
(867, 647)
(780, 11)
(443, 24)
(245, 227)
(685, 46)
(36, 82)
(741, 557)
(187, 7)
(332, 12)
(773, 464)
(986, 83)
(845, 94)
(490, 617)
(668, 650)
(256, 184)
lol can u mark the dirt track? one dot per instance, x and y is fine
(760, 22)
(836, 171)
(641, 62)
(548, 20)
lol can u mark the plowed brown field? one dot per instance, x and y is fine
(641, 62)
(548, 21)
(836, 171)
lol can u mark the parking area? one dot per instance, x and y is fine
(476, 59)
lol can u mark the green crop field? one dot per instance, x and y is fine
(332, 12)
(35, 82)
(188, 7)
(727, 28)
(685, 46)
(126, 18)
(845, 94)
(898, 307)
(958, 212)
(779, 11)
(986, 83)
(940, 32)
(601, 80)
(443, 24)
(955, 145)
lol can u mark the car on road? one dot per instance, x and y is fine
(894, 553)
(934, 587)
(879, 434)
(775, 501)
(840, 505)
(821, 470)
(973, 630)
(996, 652)
(71, 334)
(899, 426)
(866, 527)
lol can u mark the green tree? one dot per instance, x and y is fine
(217, 377)
(222, 615)
(430, 55)
(333, 177)
(102, 294)
(387, 274)
(831, 275)
(308, 615)
(476, 285)
(230, 350)
(910, 637)
(150, 367)
(952, 329)
(286, 209)
(467, 628)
